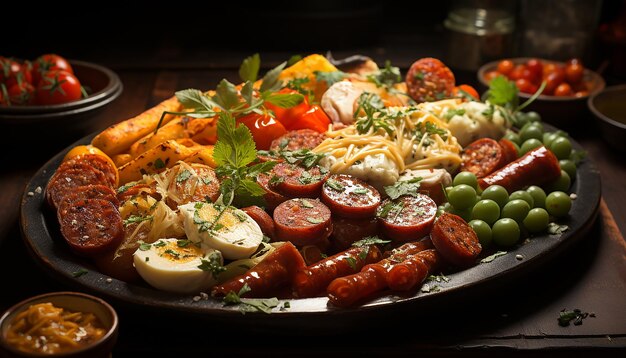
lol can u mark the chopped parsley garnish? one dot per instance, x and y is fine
(371, 114)
(313, 220)
(360, 190)
(405, 187)
(172, 253)
(250, 305)
(137, 219)
(454, 112)
(492, 257)
(335, 185)
(419, 75)
(212, 264)
(556, 229)
(182, 176)
(207, 180)
(330, 77)
(240, 215)
(144, 246)
(125, 187)
(438, 278)
(159, 164)
(351, 262)
(183, 243)
(304, 157)
(575, 316)
(159, 243)
(305, 203)
(386, 77)
(80, 272)
(218, 226)
(370, 240)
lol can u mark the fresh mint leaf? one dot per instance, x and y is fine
(249, 70)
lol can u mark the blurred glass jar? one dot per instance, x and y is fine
(479, 31)
(557, 30)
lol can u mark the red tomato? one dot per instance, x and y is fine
(581, 94)
(553, 80)
(524, 85)
(288, 116)
(264, 128)
(3, 95)
(21, 93)
(564, 89)
(491, 75)
(456, 92)
(49, 62)
(9, 69)
(505, 66)
(57, 87)
(535, 66)
(574, 73)
(315, 118)
(517, 73)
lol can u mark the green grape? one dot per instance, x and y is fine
(486, 210)
(548, 138)
(513, 137)
(531, 131)
(533, 117)
(558, 204)
(515, 209)
(466, 178)
(505, 232)
(569, 166)
(465, 214)
(496, 193)
(536, 124)
(483, 231)
(529, 145)
(561, 147)
(523, 195)
(521, 119)
(462, 197)
(539, 196)
(537, 220)
(561, 184)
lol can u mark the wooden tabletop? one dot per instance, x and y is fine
(519, 319)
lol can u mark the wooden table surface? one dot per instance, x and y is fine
(519, 319)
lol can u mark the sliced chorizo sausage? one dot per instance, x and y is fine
(65, 181)
(347, 231)
(274, 271)
(482, 157)
(91, 227)
(95, 161)
(508, 150)
(297, 182)
(298, 139)
(350, 197)
(428, 79)
(314, 279)
(92, 191)
(538, 166)
(302, 221)
(407, 218)
(271, 197)
(261, 217)
(455, 240)
(196, 182)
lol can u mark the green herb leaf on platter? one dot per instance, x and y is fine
(271, 81)
(249, 69)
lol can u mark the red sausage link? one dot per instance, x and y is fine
(312, 280)
(65, 181)
(407, 218)
(265, 221)
(271, 197)
(482, 157)
(91, 227)
(297, 182)
(538, 166)
(94, 161)
(298, 139)
(455, 240)
(348, 231)
(302, 221)
(350, 197)
(508, 149)
(267, 276)
(92, 191)
(414, 270)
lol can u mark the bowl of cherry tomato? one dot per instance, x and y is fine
(57, 95)
(568, 85)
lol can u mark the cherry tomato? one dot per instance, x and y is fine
(524, 85)
(581, 94)
(264, 128)
(553, 80)
(535, 66)
(4, 95)
(574, 73)
(564, 89)
(517, 73)
(456, 92)
(49, 62)
(9, 69)
(315, 118)
(21, 93)
(491, 75)
(505, 66)
(530, 76)
(288, 116)
(574, 61)
(57, 87)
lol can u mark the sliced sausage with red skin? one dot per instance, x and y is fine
(65, 181)
(414, 270)
(297, 182)
(428, 79)
(271, 197)
(138, 190)
(186, 187)
(264, 279)
(302, 221)
(314, 279)
(482, 157)
(92, 191)
(407, 218)
(350, 197)
(537, 167)
(347, 231)
(91, 227)
(455, 240)
(298, 139)
(94, 161)
(261, 217)
(508, 150)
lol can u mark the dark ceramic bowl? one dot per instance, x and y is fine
(75, 302)
(68, 119)
(566, 113)
(609, 108)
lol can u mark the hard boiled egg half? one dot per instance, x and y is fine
(177, 265)
(226, 229)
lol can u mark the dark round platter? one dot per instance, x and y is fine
(42, 238)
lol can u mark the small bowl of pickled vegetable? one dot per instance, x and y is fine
(59, 324)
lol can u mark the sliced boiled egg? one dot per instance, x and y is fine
(226, 229)
(177, 265)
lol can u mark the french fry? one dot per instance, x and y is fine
(173, 130)
(119, 137)
(155, 160)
